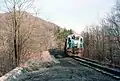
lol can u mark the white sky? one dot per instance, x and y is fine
(74, 14)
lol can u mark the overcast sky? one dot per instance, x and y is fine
(74, 14)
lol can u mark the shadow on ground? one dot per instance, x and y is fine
(57, 53)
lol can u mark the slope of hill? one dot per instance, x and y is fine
(42, 32)
(39, 35)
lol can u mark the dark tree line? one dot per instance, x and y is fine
(61, 35)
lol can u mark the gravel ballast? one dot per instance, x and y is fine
(67, 70)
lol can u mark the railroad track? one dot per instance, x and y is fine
(98, 66)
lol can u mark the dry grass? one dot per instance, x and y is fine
(37, 61)
(41, 38)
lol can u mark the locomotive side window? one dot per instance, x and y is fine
(81, 39)
(73, 37)
(69, 39)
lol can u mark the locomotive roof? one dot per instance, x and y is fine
(76, 35)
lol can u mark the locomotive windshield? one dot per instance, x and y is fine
(76, 38)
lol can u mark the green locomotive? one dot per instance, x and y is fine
(74, 45)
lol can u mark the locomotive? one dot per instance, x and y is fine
(74, 45)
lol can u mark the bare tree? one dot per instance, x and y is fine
(104, 38)
(16, 9)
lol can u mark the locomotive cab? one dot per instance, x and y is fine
(74, 45)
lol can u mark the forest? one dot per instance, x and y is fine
(102, 41)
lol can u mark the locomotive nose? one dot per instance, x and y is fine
(75, 42)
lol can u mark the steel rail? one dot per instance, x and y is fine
(98, 66)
